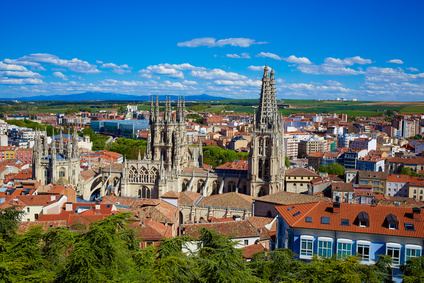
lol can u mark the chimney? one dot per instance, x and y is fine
(416, 213)
(68, 206)
(336, 207)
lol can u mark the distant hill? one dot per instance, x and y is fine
(101, 96)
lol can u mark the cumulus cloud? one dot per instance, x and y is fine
(122, 69)
(212, 42)
(9, 81)
(395, 61)
(21, 62)
(256, 68)
(412, 69)
(25, 74)
(60, 75)
(347, 61)
(269, 55)
(242, 55)
(297, 60)
(216, 74)
(75, 65)
(170, 70)
(334, 66)
(11, 67)
(189, 82)
(377, 74)
(249, 82)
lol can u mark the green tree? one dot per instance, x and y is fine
(215, 156)
(413, 270)
(9, 220)
(287, 161)
(333, 169)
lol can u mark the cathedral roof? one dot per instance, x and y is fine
(228, 200)
(290, 198)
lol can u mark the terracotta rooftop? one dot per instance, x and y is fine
(295, 216)
(291, 198)
(236, 165)
(236, 229)
(410, 160)
(171, 194)
(249, 251)
(188, 198)
(230, 200)
(301, 172)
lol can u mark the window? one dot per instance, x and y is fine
(392, 226)
(246, 242)
(308, 219)
(363, 248)
(344, 248)
(345, 222)
(325, 247)
(28, 209)
(393, 250)
(325, 220)
(306, 247)
(409, 227)
(412, 251)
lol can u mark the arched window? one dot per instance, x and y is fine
(266, 168)
(215, 188)
(133, 174)
(62, 172)
(139, 193)
(145, 193)
(184, 185)
(200, 185)
(144, 175)
(261, 146)
(232, 186)
(260, 169)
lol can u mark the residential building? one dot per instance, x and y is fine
(326, 229)
(363, 143)
(315, 160)
(377, 180)
(307, 147)
(397, 185)
(298, 179)
(416, 188)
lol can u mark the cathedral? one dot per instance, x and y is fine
(169, 163)
(56, 164)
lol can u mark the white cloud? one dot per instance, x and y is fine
(249, 82)
(60, 75)
(20, 62)
(174, 85)
(99, 62)
(216, 74)
(269, 55)
(243, 55)
(347, 61)
(256, 68)
(377, 74)
(189, 82)
(170, 70)
(122, 69)
(11, 67)
(212, 42)
(297, 60)
(75, 65)
(395, 61)
(8, 81)
(412, 69)
(25, 74)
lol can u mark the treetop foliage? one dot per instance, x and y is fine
(110, 252)
(333, 169)
(215, 156)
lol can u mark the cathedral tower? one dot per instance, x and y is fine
(266, 157)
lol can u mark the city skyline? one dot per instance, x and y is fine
(368, 51)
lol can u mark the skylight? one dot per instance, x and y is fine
(345, 222)
(290, 208)
(308, 219)
(325, 220)
(409, 227)
(296, 214)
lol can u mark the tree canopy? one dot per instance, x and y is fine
(333, 169)
(215, 156)
(110, 252)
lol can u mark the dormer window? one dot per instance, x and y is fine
(392, 222)
(363, 219)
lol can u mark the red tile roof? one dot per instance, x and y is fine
(236, 165)
(230, 200)
(237, 229)
(249, 251)
(377, 216)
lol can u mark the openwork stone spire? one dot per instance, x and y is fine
(268, 112)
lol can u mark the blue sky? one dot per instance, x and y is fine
(368, 50)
